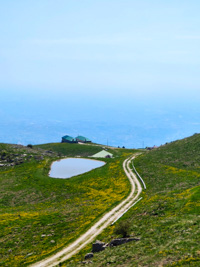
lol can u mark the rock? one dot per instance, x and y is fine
(120, 241)
(98, 246)
(29, 254)
(37, 157)
(52, 241)
(43, 235)
(10, 250)
(49, 151)
(89, 256)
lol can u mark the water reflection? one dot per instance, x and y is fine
(66, 168)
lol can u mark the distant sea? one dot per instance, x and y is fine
(117, 121)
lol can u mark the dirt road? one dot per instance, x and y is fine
(110, 217)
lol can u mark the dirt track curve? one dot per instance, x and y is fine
(110, 217)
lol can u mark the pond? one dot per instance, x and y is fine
(66, 168)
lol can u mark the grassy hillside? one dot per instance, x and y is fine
(167, 219)
(39, 214)
(70, 150)
(80, 150)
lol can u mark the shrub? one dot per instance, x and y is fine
(30, 146)
(123, 229)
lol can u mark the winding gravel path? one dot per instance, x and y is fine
(110, 217)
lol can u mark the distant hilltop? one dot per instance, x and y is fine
(78, 139)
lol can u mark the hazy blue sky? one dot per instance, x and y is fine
(120, 57)
(113, 45)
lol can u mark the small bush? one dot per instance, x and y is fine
(123, 229)
(30, 146)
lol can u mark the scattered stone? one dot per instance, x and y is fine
(120, 241)
(52, 241)
(29, 254)
(49, 151)
(98, 246)
(89, 256)
(37, 157)
(43, 235)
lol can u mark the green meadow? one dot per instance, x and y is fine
(72, 150)
(39, 214)
(167, 219)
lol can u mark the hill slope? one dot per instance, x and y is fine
(71, 150)
(39, 214)
(167, 220)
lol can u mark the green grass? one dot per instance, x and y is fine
(71, 150)
(39, 214)
(167, 219)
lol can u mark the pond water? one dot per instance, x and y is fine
(66, 168)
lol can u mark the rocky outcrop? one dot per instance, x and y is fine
(13, 155)
(98, 246)
(89, 256)
(120, 241)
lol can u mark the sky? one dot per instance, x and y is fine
(109, 45)
(100, 52)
